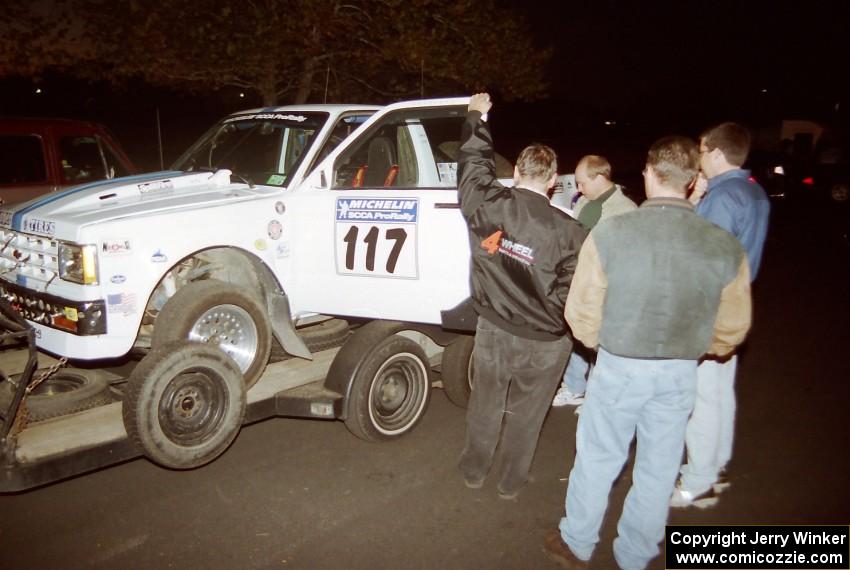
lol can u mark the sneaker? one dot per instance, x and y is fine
(558, 551)
(722, 482)
(683, 498)
(566, 398)
(508, 495)
(473, 483)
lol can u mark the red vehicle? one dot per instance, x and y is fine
(44, 155)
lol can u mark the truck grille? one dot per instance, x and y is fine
(31, 256)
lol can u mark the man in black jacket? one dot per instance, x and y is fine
(524, 252)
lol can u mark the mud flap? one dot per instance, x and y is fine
(284, 331)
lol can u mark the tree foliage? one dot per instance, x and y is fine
(286, 50)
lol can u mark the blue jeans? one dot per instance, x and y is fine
(624, 396)
(575, 376)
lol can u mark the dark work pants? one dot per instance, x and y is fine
(512, 388)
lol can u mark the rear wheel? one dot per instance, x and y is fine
(222, 315)
(390, 390)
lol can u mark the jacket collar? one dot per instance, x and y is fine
(680, 203)
(728, 175)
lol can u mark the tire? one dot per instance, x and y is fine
(840, 192)
(321, 336)
(65, 392)
(220, 314)
(390, 390)
(184, 404)
(456, 370)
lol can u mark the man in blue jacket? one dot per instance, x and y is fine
(735, 202)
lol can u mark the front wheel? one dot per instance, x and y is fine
(222, 315)
(390, 391)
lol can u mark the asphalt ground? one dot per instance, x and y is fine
(307, 494)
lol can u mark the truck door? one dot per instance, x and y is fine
(382, 235)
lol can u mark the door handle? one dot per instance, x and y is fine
(446, 205)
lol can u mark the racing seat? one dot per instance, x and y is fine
(382, 166)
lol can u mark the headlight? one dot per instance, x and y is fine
(78, 263)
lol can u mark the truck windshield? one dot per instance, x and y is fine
(263, 148)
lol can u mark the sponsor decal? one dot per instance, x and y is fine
(21, 280)
(377, 237)
(380, 210)
(275, 229)
(118, 279)
(115, 247)
(36, 226)
(159, 257)
(282, 249)
(71, 314)
(260, 244)
(279, 207)
(268, 116)
(497, 243)
(124, 303)
(275, 180)
(155, 186)
(6, 219)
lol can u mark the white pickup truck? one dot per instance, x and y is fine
(275, 219)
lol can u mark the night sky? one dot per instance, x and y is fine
(650, 67)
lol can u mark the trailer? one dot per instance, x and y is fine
(182, 405)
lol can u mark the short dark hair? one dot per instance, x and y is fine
(732, 139)
(537, 162)
(675, 161)
(596, 166)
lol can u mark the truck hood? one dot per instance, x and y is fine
(61, 214)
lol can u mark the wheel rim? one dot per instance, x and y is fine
(232, 329)
(398, 391)
(840, 192)
(192, 407)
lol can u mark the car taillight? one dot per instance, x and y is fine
(808, 181)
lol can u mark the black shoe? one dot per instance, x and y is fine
(558, 551)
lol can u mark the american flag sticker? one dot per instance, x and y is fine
(124, 303)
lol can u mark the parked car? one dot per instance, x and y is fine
(45, 155)
(820, 175)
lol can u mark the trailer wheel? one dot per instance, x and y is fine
(390, 390)
(65, 392)
(456, 370)
(219, 314)
(184, 404)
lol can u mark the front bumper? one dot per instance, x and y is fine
(81, 318)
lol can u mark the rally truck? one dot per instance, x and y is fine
(266, 238)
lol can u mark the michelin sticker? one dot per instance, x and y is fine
(377, 237)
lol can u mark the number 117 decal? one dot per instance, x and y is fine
(377, 237)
